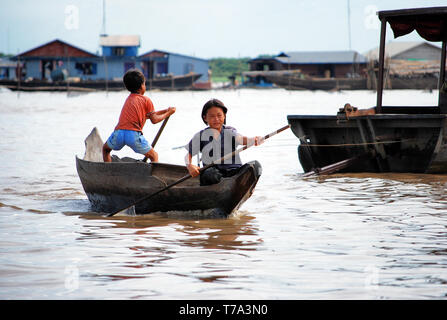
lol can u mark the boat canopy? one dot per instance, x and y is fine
(430, 23)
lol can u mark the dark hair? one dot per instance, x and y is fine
(133, 79)
(213, 103)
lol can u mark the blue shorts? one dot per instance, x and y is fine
(134, 139)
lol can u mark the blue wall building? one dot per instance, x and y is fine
(157, 63)
(119, 54)
(57, 59)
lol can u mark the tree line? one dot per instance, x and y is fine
(223, 68)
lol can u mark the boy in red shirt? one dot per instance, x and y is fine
(137, 108)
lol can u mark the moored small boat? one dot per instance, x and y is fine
(293, 82)
(413, 143)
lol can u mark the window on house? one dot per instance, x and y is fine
(118, 51)
(86, 68)
(128, 66)
(188, 67)
(162, 67)
(4, 73)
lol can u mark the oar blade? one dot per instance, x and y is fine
(130, 211)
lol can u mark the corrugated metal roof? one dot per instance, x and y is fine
(55, 48)
(321, 57)
(160, 53)
(120, 41)
(396, 47)
(154, 53)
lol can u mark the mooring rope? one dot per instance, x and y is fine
(353, 144)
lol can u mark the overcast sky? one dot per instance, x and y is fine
(202, 28)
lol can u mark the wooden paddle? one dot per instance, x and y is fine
(158, 135)
(337, 166)
(229, 155)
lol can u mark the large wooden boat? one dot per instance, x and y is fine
(180, 82)
(116, 185)
(382, 138)
(294, 82)
(429, 82)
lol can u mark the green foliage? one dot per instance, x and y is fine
(223, 68)
(4, 55)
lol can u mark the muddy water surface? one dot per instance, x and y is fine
(358, 236)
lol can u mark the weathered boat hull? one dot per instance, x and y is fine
(413, 143)
(415, 83)
(111, 186)
(296, 83)
(165, 83)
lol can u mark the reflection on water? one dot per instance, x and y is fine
(345, 236)
(156, 246)
(151, 249)
(227, 234)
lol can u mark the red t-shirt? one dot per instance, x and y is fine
(134, 112)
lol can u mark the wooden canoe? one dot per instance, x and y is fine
(115, 185)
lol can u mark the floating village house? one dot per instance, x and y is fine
(326, 64)
(58, 60)
(320, 64)
(335, 64)
(47, 62)
(157, 63)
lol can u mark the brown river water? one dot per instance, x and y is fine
(345, 236)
